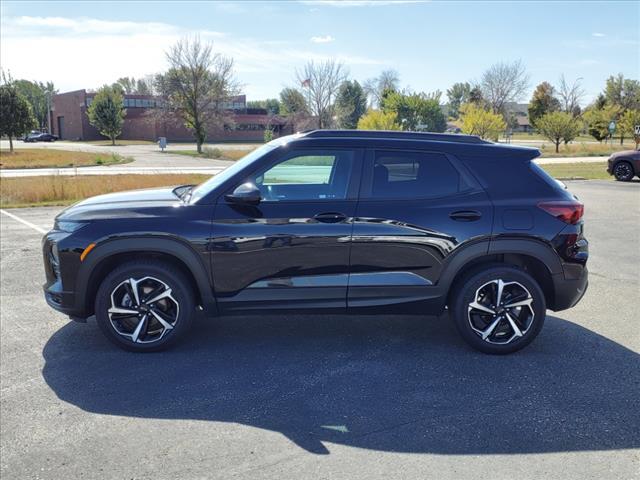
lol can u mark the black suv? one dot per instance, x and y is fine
(357, 221)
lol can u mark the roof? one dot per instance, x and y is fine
(466, 146)
(438, 137)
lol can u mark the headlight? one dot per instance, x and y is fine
(69, 227)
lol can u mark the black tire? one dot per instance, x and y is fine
(623, 171)
(180, 304)
(484, 281)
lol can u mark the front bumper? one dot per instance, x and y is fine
(610, 166)
(56, 291)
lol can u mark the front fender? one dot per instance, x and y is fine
(90, 268)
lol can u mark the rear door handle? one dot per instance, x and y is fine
(330, 217)
(465, 215)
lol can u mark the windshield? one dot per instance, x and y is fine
(205, 188)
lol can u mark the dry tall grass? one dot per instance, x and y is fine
(584, 149)
(63, 190)
(52, 158)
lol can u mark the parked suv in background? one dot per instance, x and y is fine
(358, 221)
(624, 165)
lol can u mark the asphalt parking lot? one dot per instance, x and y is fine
(310, 397)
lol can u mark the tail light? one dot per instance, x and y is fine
(569, 211)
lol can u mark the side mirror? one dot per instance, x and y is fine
(245, 194)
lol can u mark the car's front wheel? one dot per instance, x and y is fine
(499, 309)
(145, 306)
(623, 172)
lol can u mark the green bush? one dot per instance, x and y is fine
(210, 152)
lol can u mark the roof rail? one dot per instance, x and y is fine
(436, 137)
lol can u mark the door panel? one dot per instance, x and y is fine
(410, 238)
(287, 252)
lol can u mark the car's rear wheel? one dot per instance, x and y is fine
(499, 309)
(623, 172)
(145, 306)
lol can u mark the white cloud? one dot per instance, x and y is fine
(87, 52)
(322, 39)
(361, 3)
(598, 34)
(27, 25)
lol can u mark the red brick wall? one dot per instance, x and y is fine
(71, 106)
(143, 124)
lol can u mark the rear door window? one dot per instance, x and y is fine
(403, 174)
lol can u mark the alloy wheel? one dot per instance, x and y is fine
(501, 311)
(623, 171)
(143, 310)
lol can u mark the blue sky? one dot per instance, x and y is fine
(431, 44)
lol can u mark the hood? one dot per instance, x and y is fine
(132, 203)
(635, 154)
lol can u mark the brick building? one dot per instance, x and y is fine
(69, 120)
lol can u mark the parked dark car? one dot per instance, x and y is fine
(624, 165)
(357, 221)
(36, 136)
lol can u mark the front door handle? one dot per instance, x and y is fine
(330, 217)
(465, 215)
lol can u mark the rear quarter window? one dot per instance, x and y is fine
(403, 174)
(510, 177)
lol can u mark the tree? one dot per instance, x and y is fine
(559, 127)
(416, 111)
(107, 112)
(503, 83)
(321, 80)
(478, 121)
(542, 102)
(624, 94)
(475, 96)
(598, 120)
(38, 95)
(144, 86)
(127, 84)
(131, 86)
(294, 106)
(351, 104)
(16, 117)
(458, 94)
(375, 88)
(378, 120)
(197, 85)
(271, 105)
(293, 102)
(628, 122)
(570, 95)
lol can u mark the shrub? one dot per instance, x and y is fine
(211, 152)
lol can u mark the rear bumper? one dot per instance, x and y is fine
(568, 292)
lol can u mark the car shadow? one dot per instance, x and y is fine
(402, 384)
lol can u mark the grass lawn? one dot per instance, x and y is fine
(64, 190)
(537, 137)
(216, 153)
(578, 170)
(119, 143)
(50, 158)
(584, 149)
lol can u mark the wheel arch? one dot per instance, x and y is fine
(112, 253)
(628, 160)
(533, 256)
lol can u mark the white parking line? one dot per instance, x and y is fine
(24, 222)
